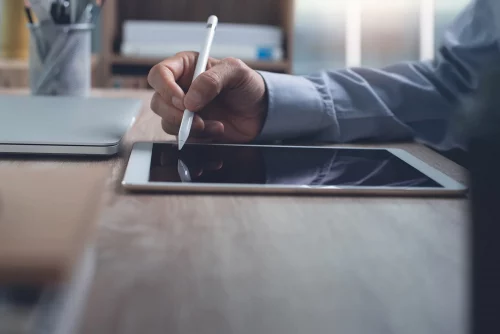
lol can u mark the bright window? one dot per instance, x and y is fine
(337, 33)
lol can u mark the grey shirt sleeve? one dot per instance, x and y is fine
(410, 100)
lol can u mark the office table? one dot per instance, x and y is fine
(273, 264)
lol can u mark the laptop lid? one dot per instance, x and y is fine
(65, 121)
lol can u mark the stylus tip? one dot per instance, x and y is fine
(181, 144)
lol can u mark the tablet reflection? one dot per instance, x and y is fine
(183, 171)
(283, 166)
(207, 164)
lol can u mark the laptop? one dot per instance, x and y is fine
(64, 125)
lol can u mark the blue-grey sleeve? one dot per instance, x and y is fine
(411, 100)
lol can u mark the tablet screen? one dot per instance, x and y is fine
(283, 166)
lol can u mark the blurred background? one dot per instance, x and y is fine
(318, 34)
(390, 31)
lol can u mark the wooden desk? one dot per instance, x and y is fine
(250, 264)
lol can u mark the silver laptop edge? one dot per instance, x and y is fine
(65, 125)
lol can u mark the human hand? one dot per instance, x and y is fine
(229, 99)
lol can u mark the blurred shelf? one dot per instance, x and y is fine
(128, 82)
(23, 64)
(117, 69)
(280, 66)
(13, 64)
(14, 73)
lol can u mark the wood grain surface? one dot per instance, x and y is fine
(270, 264)
(46, 218)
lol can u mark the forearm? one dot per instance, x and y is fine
(404, 101)
(349, 105)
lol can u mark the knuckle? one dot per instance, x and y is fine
(236, 67)
(172, 119)
(158, 79)
(152, 73)
(186, 57)
(212, 80)
(212, 62)
(169, 128)
(155, 102)
(234, 62)
(166, 127)
(185, 53)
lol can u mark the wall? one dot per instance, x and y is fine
(390, 31)
(1, 17)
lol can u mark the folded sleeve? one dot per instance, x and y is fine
(297, 107)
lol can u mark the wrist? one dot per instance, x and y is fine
(295, 108)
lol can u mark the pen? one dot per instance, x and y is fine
(86, 15)
(201, 66)
(27, 10)
(59, 14)
(73, 8)
(38, 40)
(55, 54)
(96, 10)
(41, 8)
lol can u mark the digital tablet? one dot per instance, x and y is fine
(283, 169)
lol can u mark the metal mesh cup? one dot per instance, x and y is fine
(60, 59)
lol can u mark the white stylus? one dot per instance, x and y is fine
(201, 66)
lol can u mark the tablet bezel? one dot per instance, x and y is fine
(136, 177)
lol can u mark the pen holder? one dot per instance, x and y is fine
(60, 59)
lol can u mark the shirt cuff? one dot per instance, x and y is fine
(295, 107)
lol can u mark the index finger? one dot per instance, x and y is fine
(164, 76)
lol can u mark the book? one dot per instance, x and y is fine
(244, 52)
(172, 32)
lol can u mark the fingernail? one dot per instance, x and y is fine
(178, 103)
(194, 99)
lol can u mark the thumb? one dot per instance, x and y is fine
(208, 85)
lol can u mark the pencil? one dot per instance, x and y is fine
(27, 10)
(96, 10)
(40, 47)
(73, 8)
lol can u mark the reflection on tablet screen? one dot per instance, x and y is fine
(283, 166)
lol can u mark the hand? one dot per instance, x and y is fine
(229, 98)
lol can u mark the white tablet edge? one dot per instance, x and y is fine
(138, 169)
(139, 164)
(427, 170)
